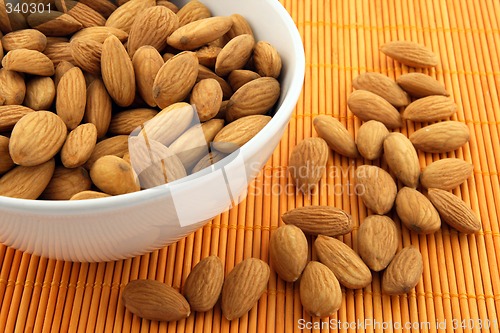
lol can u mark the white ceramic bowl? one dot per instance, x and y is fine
(128, 225)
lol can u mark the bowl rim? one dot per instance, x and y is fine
(280, 118)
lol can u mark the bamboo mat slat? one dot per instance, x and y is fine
(461, 277)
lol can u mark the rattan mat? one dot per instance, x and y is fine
(460, 287)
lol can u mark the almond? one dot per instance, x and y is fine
(320, 220)
(87, 55)
(79, 145)
(239, 77)
(61, 69)
(36, 138)
(168, 4)
(410, 53)
(153, 300)
(307, 163)
(239, 132)
(66, 182)
(147, 63)
(344, 262)
(336, 135)
(192, 145)
(234, 55)
(454, 211)
(103, 7)
(177, 117)
(267, 60)
(6, 162)
(370, 139)
(421, 85)
(175, 79)
(206, 73)
(40, 93)
(200, 32)
(80, 12)
(30, 39)
(402, 159)
(208, 160)
(206, 97)
(12, 87)
(253, 98)
(53, 24)
(58, 52)
(416, 211)
(28, 61)
(383, 86)
(124, 16)
(240, 26)
(403, 273)
(125, 122)
(431, 108)
(192, 11)
(152, 26)
(203, 285)
(377, 241)
(207, 55)
(376, 188)
(86, 195)
(27, 182)
(288, 252)
(99, 34)
(71, 97)
(154, 163)
(113, 175)
(243, 287)
(117, 72)
(98, 107)
(442, 137)
(446, 174)
(116, 145)
(11, 114)
(320, 292)
(368, 106)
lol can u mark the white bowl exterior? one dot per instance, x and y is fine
(124, 226)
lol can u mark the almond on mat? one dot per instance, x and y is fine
(411, 54)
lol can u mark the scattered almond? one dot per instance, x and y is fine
(370, 139)
(403, 273)
(446, 174)
(376, 188)
(441, 137)
(402, 159)
(336, 135)
(203, 285)
(320, 220)
(369, 106)
(421, 85)
(430, 108)
(383, 86)
(416, 211)
(288, 252)
(410, 53)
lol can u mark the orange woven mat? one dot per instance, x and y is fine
(460, 287)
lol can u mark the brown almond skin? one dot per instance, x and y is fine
(243, 287)
(410, 53)
(369, 106)
(370, 139)
(267, 60)
(441, 137)
(383, 86)
(124, 16)
(113, 175)
(320, 220)
(376, 188)
(344, 262)
(208, 160)
(288, 251)
(320, 292)
(147, 62)
(207, 73)
(98, 108)
(454, 211)
(125, 122)
(27, 182)
(87, 54)
(402, 159)
(53, 24)
(154, 300)
(239, 77)
(65, 183)
(416, 211)
(6, 162)
(377, 241)
(336, 135)
(234, 135)
(79, 145)
(234, 55)
(12, 87)
(29, 62)
(36, 138)
(11, 114)
(200, 32)
(240, 26)
(430, 108)
(192, 11)
(40, 93)
(446, 174)
(307, 163)
(71, 98)
(421, 85)
(403, 273)
(206, 96)
(203, 285)
(116, 145)
(86, 195)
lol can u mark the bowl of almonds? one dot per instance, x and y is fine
(127, 125)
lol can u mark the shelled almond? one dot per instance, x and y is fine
(78, 83)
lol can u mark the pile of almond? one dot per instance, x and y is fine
(421, 198)
(98, 99)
